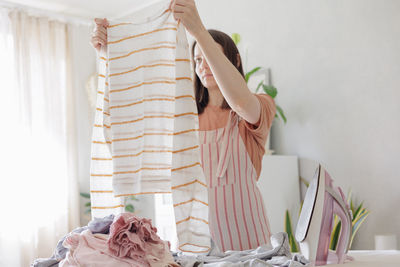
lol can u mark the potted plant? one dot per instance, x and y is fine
(359, 216)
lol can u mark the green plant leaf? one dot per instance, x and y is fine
(293, 244)
(259, 85)
(335, 236)
(352, 206)
(248, 75)
(85, 195)
(270, 90)
(301, 207)
(87, 204)
(334, 223)
(236, 38)
(288, 228)
(304, 181)
(129, 208)
(280, 111)
(357, 226)
(358, 210)
(356, 220)
(350, 200)
(288, 223)
(133, 198)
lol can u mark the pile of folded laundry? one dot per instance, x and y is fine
(128, 240)
(125, 240)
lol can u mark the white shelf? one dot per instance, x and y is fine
(280, 188)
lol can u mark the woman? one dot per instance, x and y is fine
(233, 128)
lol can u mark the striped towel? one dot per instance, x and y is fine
(145, 136)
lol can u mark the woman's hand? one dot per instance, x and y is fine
(186, 12)
(99, 36)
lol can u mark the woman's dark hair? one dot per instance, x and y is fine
(231, 52)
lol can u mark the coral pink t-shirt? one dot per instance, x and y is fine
(254, 136)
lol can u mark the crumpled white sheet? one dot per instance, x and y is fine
(264, 256)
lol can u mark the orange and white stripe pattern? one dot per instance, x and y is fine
(145, 135)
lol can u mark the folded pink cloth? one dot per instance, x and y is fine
(134, 237)
(87, 249)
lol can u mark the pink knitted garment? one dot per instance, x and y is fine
(134, 237)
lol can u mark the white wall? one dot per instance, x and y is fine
(336, 65)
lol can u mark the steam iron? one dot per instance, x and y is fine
(314, 228)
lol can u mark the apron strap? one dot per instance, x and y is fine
(226, 146)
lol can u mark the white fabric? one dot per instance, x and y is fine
(39, 191)
(275, 253)
(145, 136)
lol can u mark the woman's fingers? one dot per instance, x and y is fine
(178, 16)
(179, 12)
(179, 9)
(101, 25)
(99, 33)
(98, 21)
(174, 5)
(103, 22)
(184, 2)
(102, 29)
(180, 2)
(96, 41)
(185, 11)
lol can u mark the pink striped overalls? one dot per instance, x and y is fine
(237, 217)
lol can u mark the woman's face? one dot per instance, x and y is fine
(202, 69)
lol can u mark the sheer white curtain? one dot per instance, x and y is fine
(39, 193)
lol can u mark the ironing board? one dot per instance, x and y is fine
(372, 258)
